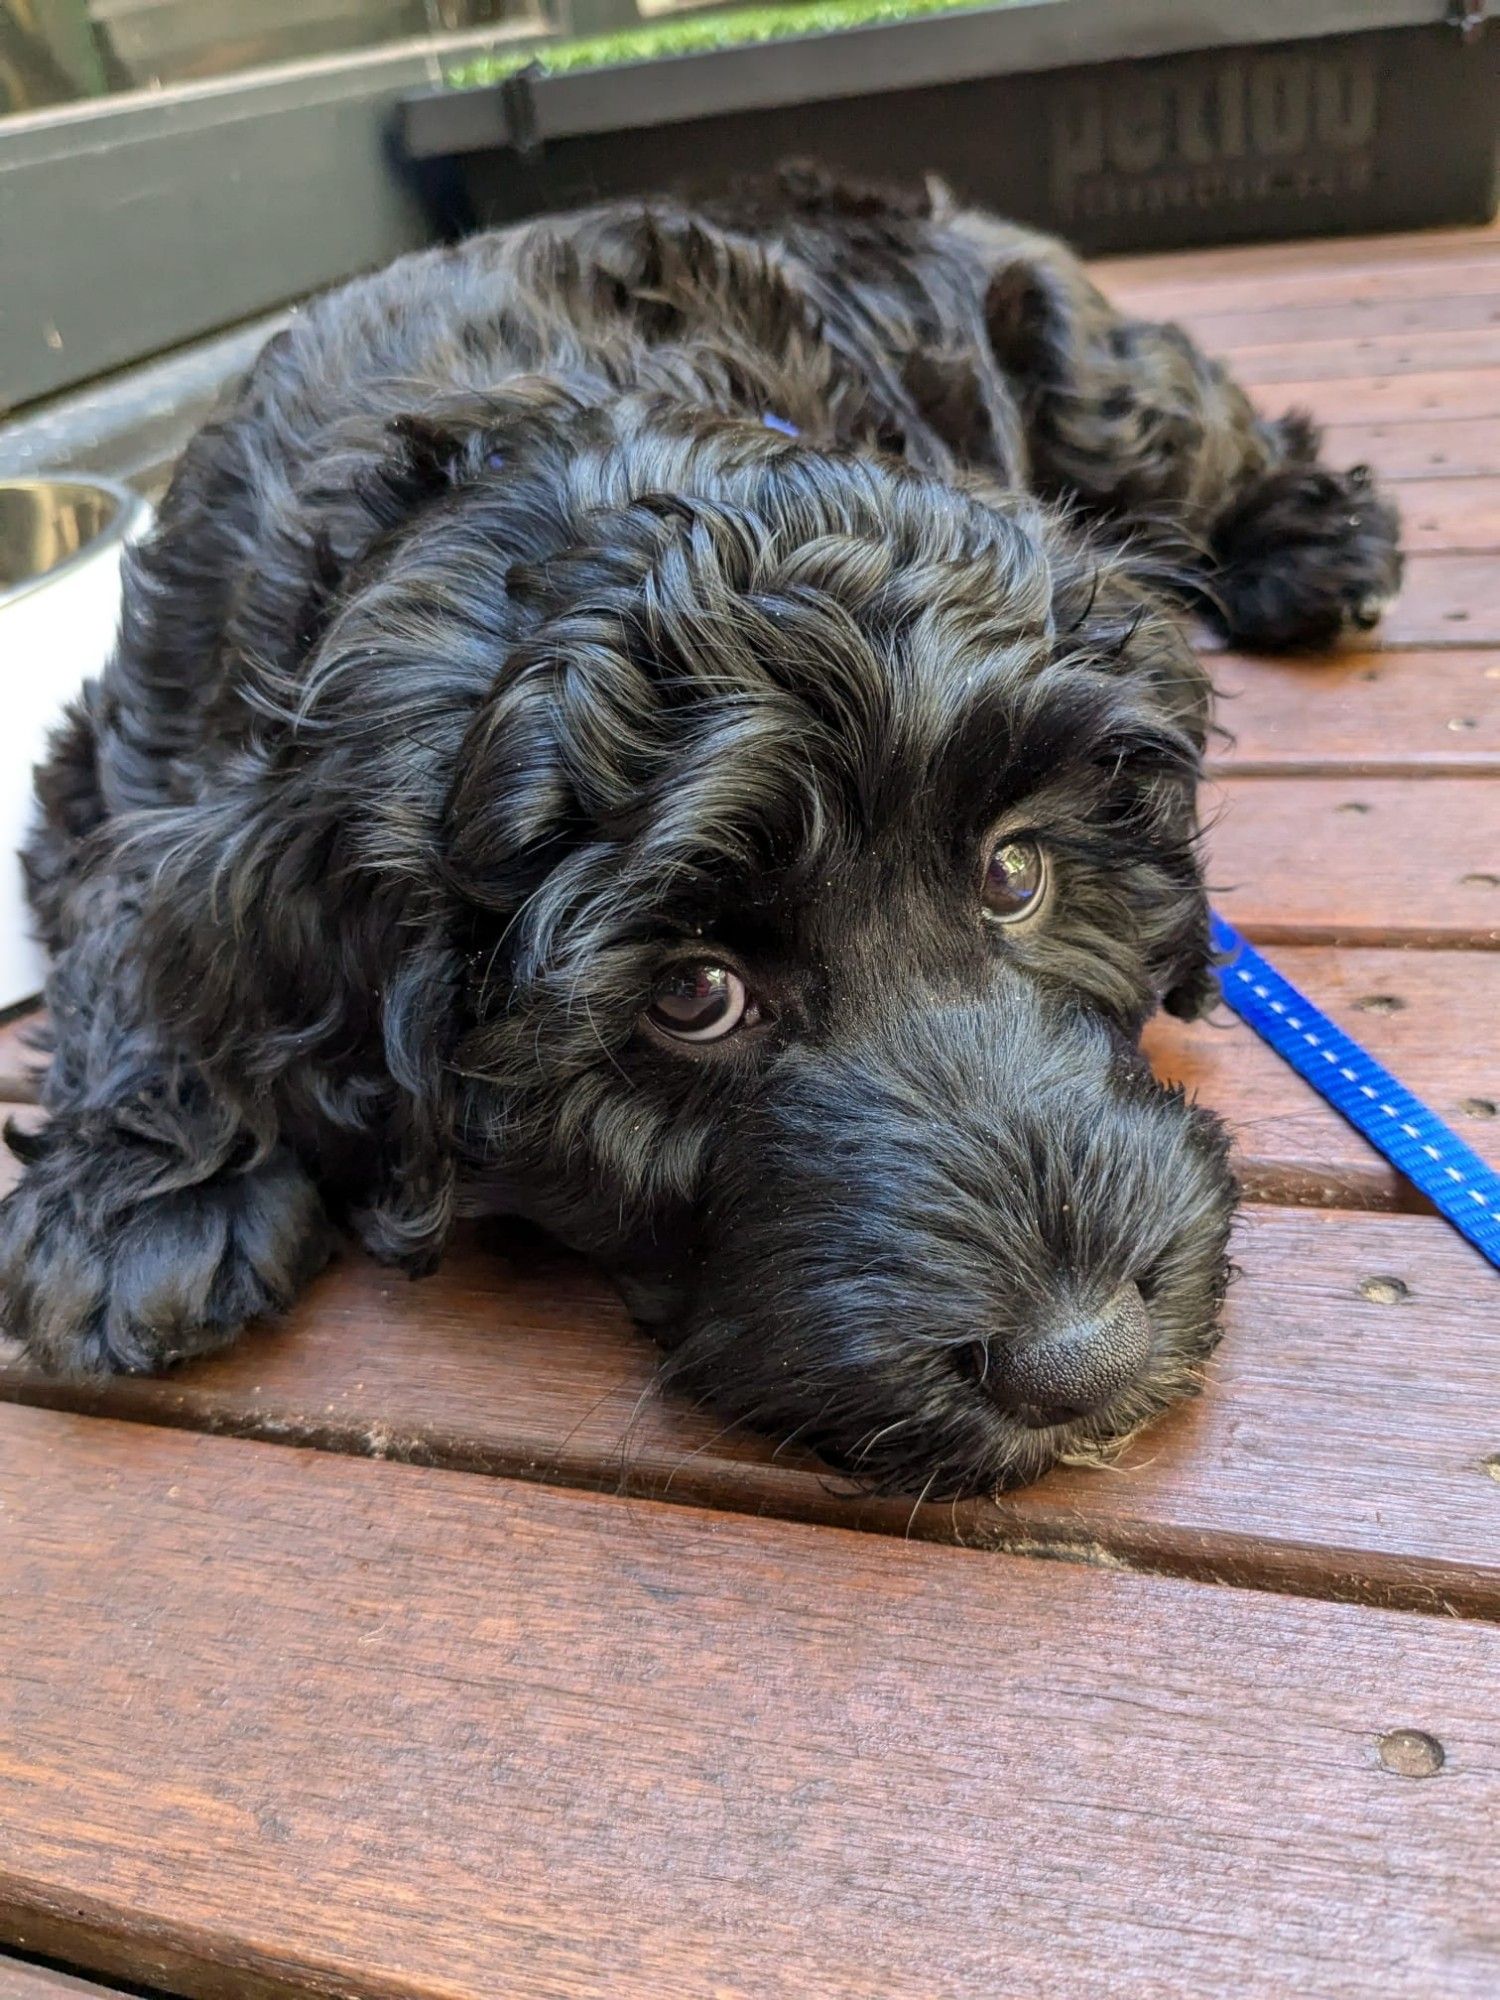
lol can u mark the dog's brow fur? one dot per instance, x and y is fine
(492, 655)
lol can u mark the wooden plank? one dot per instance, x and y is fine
(21, 1981)
(1421, 866)
(1371, 354)
(1455, 394)
(1458, 515)
(642, 1751)
(1375, 280)
(1446, 600)
(1255, 260)
(1435, 450)
(1340, 1448)
(1433, 1020)
(1273, 324)
(1374, 712)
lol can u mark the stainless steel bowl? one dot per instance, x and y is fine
(51, 527)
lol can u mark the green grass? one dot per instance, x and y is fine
(733, 28)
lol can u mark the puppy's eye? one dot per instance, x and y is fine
(701, 1003)
(1014, 881)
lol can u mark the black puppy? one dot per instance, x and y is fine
(530, 779)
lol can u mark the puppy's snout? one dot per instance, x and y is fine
(1074, 1364)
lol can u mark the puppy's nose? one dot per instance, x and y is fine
(1075, 1364)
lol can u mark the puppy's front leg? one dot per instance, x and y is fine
(150, 1223)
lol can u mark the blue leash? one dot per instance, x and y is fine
(1412, 1137)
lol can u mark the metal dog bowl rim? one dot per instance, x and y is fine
(132, 513)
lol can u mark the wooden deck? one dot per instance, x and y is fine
(414, 1649)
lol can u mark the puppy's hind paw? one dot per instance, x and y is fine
(1303, 558)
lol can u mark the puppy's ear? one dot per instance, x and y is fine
(1123, 618)
(1184, 691)
(1019, 318)
(407, 1217)
(298, 917)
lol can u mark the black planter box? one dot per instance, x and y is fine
(1121, 124)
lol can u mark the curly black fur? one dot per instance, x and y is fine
(492, 655)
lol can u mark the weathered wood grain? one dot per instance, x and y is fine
(1376, 280)
(1420, 866)
(1339, 1450)
(1296, 361)
(1392, 396)
(1343, 320)
(1382, 310)
(1331, 1450)
(1445, 600)
(1376, 712)
(1254, 261)
(1417, 449)
(408, 1733)
(20, 1981)
(1454, 516)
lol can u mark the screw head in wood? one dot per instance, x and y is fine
(1411, 1753)
(1384, 1291)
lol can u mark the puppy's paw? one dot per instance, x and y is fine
(1304, 557)
(89, 1287)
